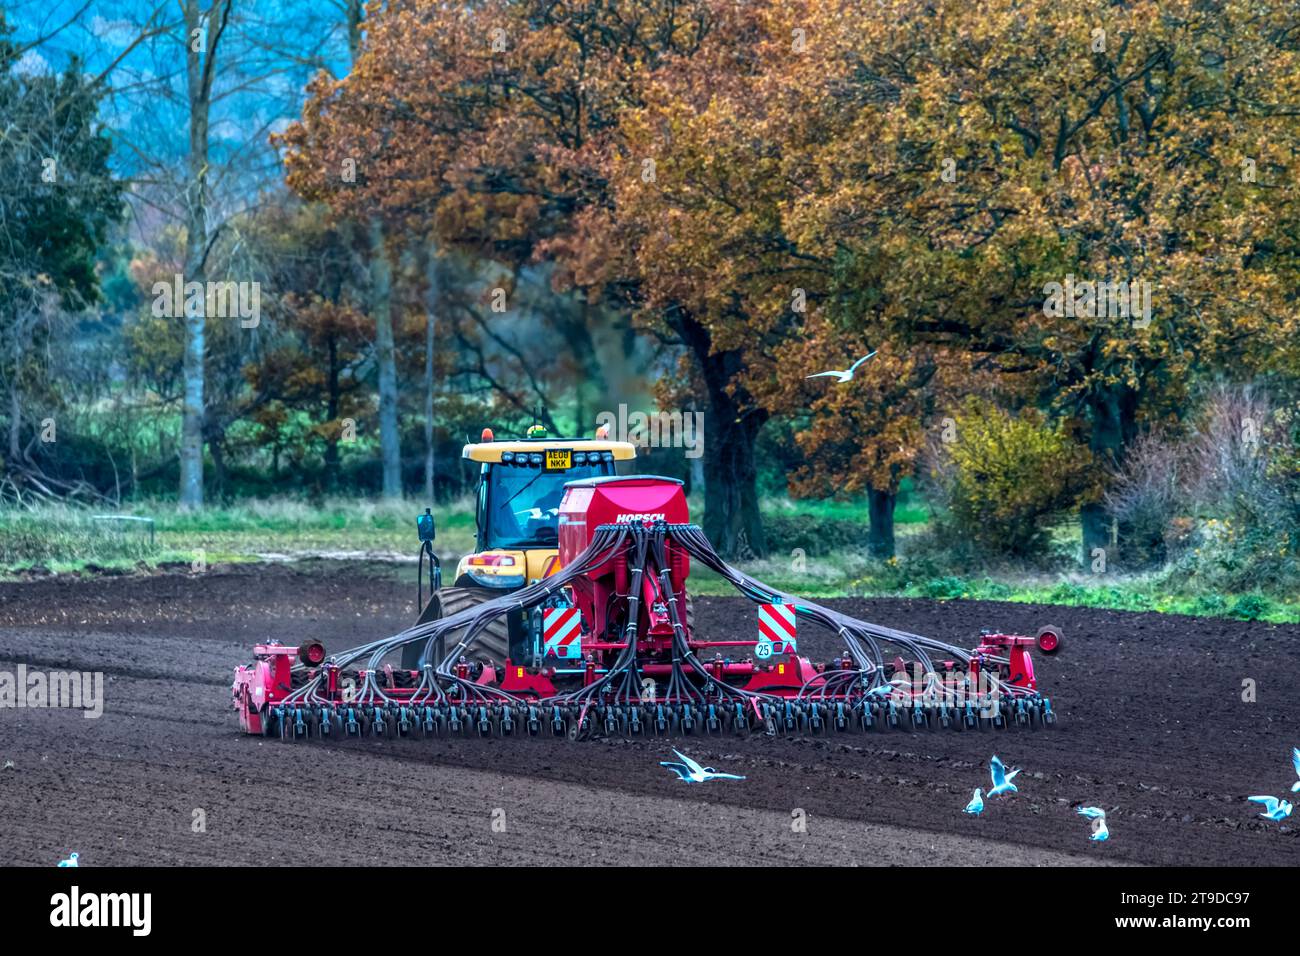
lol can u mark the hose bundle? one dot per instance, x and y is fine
(441, 681)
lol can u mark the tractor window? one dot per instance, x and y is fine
(523, 504)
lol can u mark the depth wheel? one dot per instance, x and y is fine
(1049, 639)
(270, 726)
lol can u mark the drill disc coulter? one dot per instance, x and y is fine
(615, 654)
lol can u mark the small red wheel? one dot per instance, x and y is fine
(311, 653)
(1049, 639)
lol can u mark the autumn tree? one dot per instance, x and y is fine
(711, 235)
(983, 168)
(1010, 184)
(317, 335)
(499, 123)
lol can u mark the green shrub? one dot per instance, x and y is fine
(1067, 593)
(1230, 559)
(945, 588)
(1251, 607)
(1005, 478)
(1243, 480)
(991, 590)
(1211, 605)
(815, 535)
(1146, 497)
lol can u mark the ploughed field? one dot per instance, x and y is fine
(1153, 728)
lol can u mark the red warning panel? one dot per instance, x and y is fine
(776, 627)
(562, 633)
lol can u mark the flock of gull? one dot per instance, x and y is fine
(1275, 808)
(691, 771)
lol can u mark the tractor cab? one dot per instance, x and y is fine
(518, 507)
(517, 515)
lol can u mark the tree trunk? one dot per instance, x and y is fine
(880, 533)
(355, 12)
(732, 521)
(191, 450)
(1095, 521)
(430, 340)
(199, 71)
(731, 516)
(331, 415)
(218, 467)
(1113, 414)
(695, 483)
(381, 290)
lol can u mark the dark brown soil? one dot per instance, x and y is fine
(1153, 728)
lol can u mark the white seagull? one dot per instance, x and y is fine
(1274, 809)
(976, 805)
(1001, 779)
(1098, 817)
(844, 376)
(70, 861)
(1295, 762)
(691, 772)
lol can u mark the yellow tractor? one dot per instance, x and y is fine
(517, 516)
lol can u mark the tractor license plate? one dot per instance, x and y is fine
(559, 459)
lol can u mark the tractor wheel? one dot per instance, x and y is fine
(493, 642)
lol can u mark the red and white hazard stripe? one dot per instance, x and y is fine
(561, 632)
(776, 625)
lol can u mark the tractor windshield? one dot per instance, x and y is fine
(522, 505)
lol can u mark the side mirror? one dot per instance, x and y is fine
(424, 525)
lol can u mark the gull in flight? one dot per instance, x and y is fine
(844, 376)
(1274, 809)
(1001, 779)
(976, 805)
(1295, 762)
(1098, 816)
(691, 772)
(70, 861)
